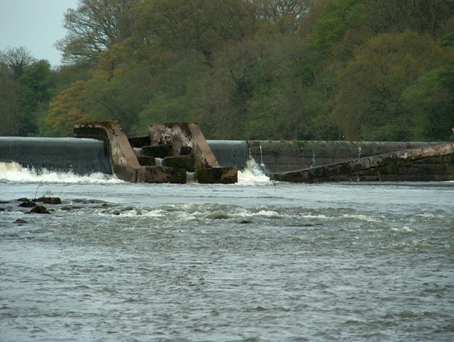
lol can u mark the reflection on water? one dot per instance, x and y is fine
(251, 261)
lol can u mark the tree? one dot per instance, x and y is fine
(369, 101)
(95, 26)
(431, 102)
(35, 81)
(434, 17)
(69, 107)
(199, 25)
(263, 89)
(338, 18)
(9, 102)
(173, 91)
(285, 15)
(314, 12)
(17, 59)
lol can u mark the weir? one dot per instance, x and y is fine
(85, 156)
(427, 163)
(80, 156)
(292, 161)
(230, 152)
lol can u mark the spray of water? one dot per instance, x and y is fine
(14, 172)
(253, 174)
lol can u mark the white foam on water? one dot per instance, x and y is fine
(253, 175)
(266, 213)
(363, 217)
(14, 172)
(314, 216)
(153, 213)
(404, 229)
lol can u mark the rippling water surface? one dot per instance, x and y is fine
(254, 261)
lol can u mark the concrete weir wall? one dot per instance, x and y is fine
(281, 157)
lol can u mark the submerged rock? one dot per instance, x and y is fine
(49, 200)
(38, 209)
(27, 204)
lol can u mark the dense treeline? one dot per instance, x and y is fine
(244, 69)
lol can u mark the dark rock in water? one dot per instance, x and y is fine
(49, 200)
(27, 204)
(20, 221)
(38, 209)
(23, 199)
(218, 216)
(245, 222)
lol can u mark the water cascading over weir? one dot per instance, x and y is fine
(171, 152)
(79, 156)
(165, 155)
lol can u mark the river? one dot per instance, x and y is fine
(252, 261)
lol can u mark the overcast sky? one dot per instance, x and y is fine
(34, 24)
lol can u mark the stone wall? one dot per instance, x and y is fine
(283, 156)
(426, 163)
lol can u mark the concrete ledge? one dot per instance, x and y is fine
(225, 175)
(282, 156)
(387, 163)
(160, 174)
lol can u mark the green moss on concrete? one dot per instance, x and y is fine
(299, 143)
(182, 162)
(224, 175)
(178, 176)
(450, 170)
(146, 161)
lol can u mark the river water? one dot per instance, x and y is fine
(253, 261)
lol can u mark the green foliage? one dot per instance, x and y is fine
(244, 69)
(434, 17)
(299, 143)
(369, 103)
(431, 102)
(280, 16)
(69, 107)
(9, 102)
(192, 25)
(337, 19)
(24, 98)
(95, 26)
(163, 108)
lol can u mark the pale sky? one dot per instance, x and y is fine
(34, 24)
